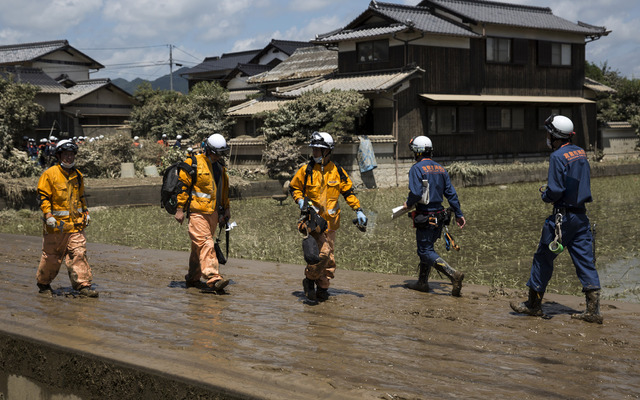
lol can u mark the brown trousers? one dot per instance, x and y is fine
(323, 271)
(203, 262)
(73, 248)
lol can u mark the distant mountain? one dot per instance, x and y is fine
(164, 82)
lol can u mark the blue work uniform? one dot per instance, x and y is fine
(568, 188)
(440, 187)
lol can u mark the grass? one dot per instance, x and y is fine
(502, 232)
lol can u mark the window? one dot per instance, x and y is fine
(372, 51)
(447, 120)
(554, 54)
(545, 112)
(505, 118)
(499, 50)
(560, 54)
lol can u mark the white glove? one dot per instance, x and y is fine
(51, 221)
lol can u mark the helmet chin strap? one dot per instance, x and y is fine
(67, 166)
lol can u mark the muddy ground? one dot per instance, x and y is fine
(147, 336)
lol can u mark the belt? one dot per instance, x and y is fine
(572, 210)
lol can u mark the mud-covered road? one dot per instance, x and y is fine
(372, 339)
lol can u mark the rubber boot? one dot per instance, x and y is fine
(322, 294)
(219, 284)
(592, 313)
(455, 276)
(309, 289)
(86, 291)
(422, 285)
(45, 289)
(533, 306)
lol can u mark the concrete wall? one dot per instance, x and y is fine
(384, 174)
(619, 143)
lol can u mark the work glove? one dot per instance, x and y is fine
(362, 219)
(301, 203)
(51, 221)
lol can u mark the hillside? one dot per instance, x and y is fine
(164, 82)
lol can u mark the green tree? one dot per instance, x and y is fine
(19, 114)
(196, 115)
(285, 129)
(624, 105)
(208, 104)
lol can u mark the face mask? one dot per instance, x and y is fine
(549, 144)
(67, 166)
(317, 160)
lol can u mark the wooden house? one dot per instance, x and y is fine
(75, 103)
(232, 70)
(96, 107)
(484, 75)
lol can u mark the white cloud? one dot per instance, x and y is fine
(38, 18)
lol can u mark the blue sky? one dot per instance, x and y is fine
(131, 38)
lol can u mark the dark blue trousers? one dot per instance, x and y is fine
(577, 239)
(425, 239)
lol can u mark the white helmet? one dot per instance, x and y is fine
(559, 126)
(66, 145)
(52, 138)
(216, 144)
(135, 138)
(164, 135)
(322, 140)
(43, 140)
(420, 144)
(178, 137)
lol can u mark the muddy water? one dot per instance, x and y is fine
(372, 339)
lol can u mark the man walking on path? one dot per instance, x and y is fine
(429, 185)
(61, 197)
(321, 182)
(205, 202)
(569, 189)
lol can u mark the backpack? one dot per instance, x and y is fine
(172, 186)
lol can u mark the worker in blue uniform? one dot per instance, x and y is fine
(429, 185)
(569, 189)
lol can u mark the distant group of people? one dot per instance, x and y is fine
(163, 141)
(316, 188)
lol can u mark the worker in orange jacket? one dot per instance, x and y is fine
(322, 182)
(61, 197)
(207, 207)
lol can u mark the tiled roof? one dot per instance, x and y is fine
(511, 15)
(252, 69)
(597, 86)
(288, 47)
(400, 18)
(83, 88)
(16, 53)
(305, 63)
(365, 83)
(225, 62)
(241, 95)
(253, 107)
(34, 76)
(618, 124)
(29, 51)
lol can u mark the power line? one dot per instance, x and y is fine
(124, 48)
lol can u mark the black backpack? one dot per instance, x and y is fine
(172, 186)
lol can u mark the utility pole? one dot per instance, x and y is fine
(171, 67)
